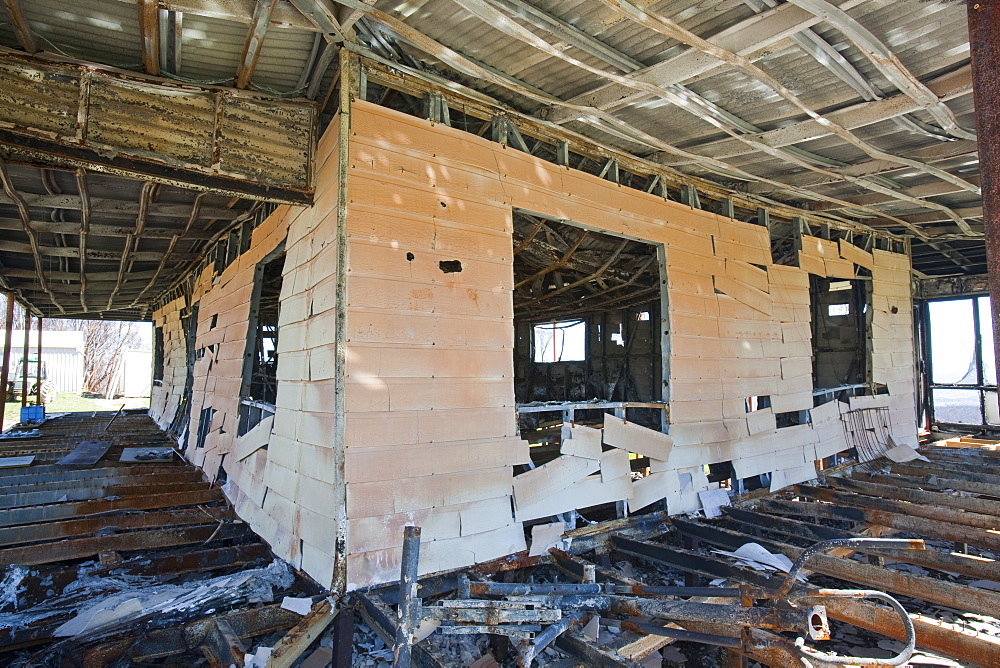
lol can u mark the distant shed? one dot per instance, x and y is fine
(62, 353)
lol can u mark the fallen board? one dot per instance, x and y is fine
(14, 462)
(87, 453)
(147, 455)
(15, 435)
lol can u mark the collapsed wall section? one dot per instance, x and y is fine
(429, 403)
(280, 473)
(431, 430)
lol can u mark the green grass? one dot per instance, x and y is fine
(67, 402)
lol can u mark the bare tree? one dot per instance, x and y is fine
(104, 345)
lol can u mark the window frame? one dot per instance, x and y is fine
(980, 385)
(253, 411)
(578, 322)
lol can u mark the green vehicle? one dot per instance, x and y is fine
(14, 385)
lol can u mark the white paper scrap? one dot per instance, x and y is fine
(712, 500)
(903, 453)
(259, 658)
(300, 606)
(757, 557)
(546, 536)
(592, 628)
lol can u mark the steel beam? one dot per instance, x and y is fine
(929, 528)
(984, 44)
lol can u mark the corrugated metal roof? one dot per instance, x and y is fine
(928, 38)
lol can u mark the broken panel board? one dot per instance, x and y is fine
(429, 421)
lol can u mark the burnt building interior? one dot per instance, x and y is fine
(507, 332)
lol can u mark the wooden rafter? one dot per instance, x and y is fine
(20, 25)
(149, 35)
(254, 42)
(558, 264)
(195, 214)
(84, 188)
(25, 214)
(127, 257)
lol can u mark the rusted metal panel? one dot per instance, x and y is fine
(267, 140)
(26, 89)
(116, 104)
(984, 44)
(106, 120)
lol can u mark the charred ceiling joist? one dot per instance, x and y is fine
(213, 139)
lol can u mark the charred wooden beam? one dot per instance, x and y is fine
(149, 35)
(208, 139)
(254, 41)
(933, 635)
(141, 501)
(926, 527)
(20, 25)
(25, 215)
(80, 548)
(221, 646)
(84, 189)
(91, 525)
(927, 482)
(160, 643)
(299, 637)
(926, 510)
(917, 496)
(928, 589)
(751, 522)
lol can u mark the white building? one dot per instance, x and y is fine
(62, 353)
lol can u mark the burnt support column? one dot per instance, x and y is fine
(5, 369)
(24, 359)
(38, 367)
(984, 42)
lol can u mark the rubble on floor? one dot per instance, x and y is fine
(125, 560)
(143, 562)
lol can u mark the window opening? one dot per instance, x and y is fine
(260, 363)
(840, 331)
(588, 328)
(962, 366)
(561, 341)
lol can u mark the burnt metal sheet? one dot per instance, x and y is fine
(87, 453)
(106, 120)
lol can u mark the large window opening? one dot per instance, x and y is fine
(840, 332)
(588, 329)
(158, 355)
(961, 366)
(260, 364)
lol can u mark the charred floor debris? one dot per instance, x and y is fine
(640, 314)
(109, 562)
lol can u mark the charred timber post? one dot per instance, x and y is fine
(5, 370)
(984, 43)
(409, 603)
(24, 359)
(38, 367)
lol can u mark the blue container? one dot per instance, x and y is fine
(32, 413)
